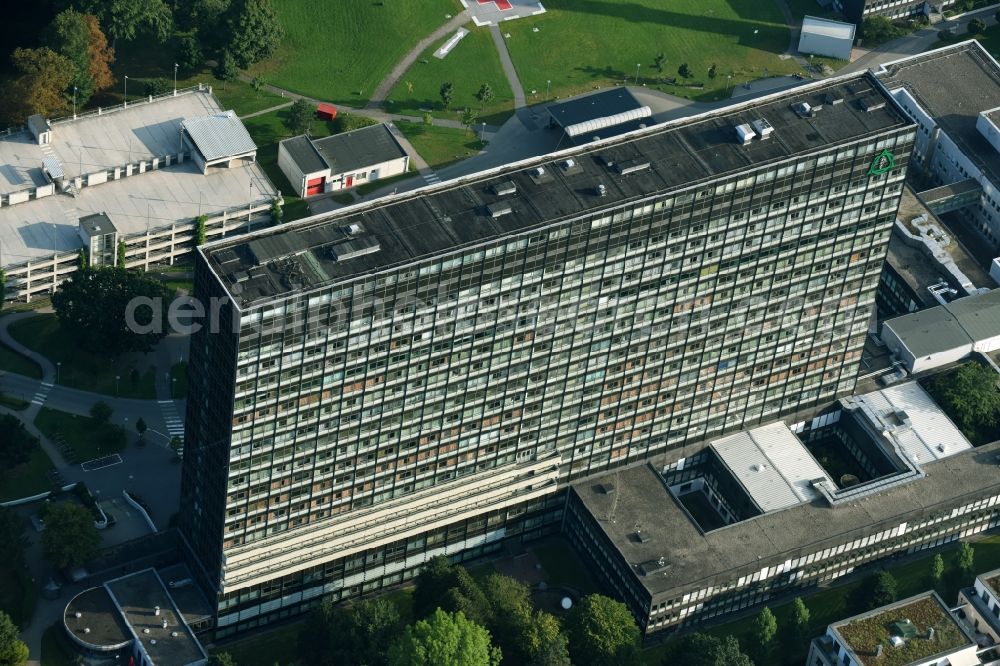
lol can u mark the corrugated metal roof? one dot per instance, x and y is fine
(929, 435)
(773, 465)
(827, 28)
(219, 135)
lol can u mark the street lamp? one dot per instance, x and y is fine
(117, 378)
(482, 131)
(173, 388)
(637, 66)
(175, 79)
(74, 102)
(125, 103)
(547, 84)
(58, 368)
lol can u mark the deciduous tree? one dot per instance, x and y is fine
(254, 31)
(447, 93)
(444, 639)
(545, 643)
(16, 443)
(299, 117)
(684, 70)
(883, 590)
(966, 556)
(937, 568)
(799, 622)
(765, 626)
(40, 86)
(485, 94)
(13, 651)
(69, 537)
(601, 632)
(189, 55)
(12, 539)
(969, 395)
(704, 650)
(112, 310)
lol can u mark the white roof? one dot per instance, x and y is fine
(827, 28)
(219, 135)
(773, 465)
(930, 435)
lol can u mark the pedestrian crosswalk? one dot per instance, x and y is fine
(43, 392)
(175, 425)
(431, 178)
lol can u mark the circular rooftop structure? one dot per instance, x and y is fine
(93, 622)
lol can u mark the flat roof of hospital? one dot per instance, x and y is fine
(455, 215)
(153, 200)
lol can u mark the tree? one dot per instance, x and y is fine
(684, 70)
(428, 119)
(712, 71)
(13, 651)
(466, 596)
(69, 537)
(432, 583)
(12, 539)
(128, 19)
(545, 643)
(469, 118)
(101, 412)
(658, 62)
(362, 634)
(299, 117)
(221, 659)
(176, 444)
(969, 395)
(100, 53)
(485, 94)
(444, 639)
(112, 310)
(156, 86)
(883, 591)
(276, 211)
(254, 31)
(189, 54)
(937, 568)
(765, 626)
(140, 427)
(447, 93)
(81, 260)
(966, 556)
(878, 29)
(16, 443)
(977, 26)
(120, 257)
(226, 69)
(601, 631)
(703, 650)
(799, 624)
(69, 36)
(199, 229)
(511, 615)
(257, 84)
(43, 77)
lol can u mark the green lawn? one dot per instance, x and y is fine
(17, 595)
(11, 361)
(88, 438)
(837, 603)
(142, 63)
(585, 44)
(428, 73)
(340, 53)
(178, 380)
(16, 402)
(440, 146)
(266, 647)
(81, 369)
(56, 650)
(27, 479)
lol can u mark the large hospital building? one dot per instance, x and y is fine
(426, 373)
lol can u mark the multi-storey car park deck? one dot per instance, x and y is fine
(142, 167)
(422, 374)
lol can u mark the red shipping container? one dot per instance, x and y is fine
(326, 111)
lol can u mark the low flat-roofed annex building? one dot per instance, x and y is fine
(341, 161)
(945, 334)
(754, 515)
(825, 37)
(599, 115)
(137, 167)
(918, 631)
(979, 605)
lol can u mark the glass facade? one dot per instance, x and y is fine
(595, 342)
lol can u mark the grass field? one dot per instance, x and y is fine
(27, 479)
(440, 146)
(81, 369)
(11, 361)
(341, 52)
(428, 73)
(141, 64)
(584, 44)
(835, 603)
(88, 438)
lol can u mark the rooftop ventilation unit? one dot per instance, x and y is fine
(631, 166)
(744, 133)
(870, 104)
(499, 210)
(568, 163)
(641, 537)
(833, 100)
(803, 109)
(508, 187)
(601, 190)
(352, 229)
(762, 128)
(606, 488)
(355, 247)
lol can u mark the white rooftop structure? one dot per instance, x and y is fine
(219, 135)
(826, 37)
(911, 420)
(772, 464)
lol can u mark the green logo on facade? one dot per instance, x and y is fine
(882, 163)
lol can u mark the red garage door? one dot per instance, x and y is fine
(314, 186)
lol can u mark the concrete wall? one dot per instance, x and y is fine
(822, 45)
(385, 170)
(913, 364)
